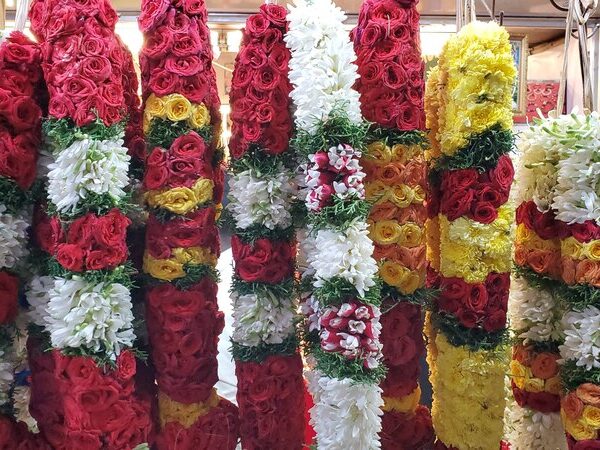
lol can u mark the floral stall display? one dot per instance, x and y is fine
(533, 420)
(391, 87)
(559, 258)
(262, 190)
(343, 307)
(183, 183)
(469, 231)
(20, 99)
(83, 391)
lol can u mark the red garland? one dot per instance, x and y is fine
(477, 196)
(407, 432)
(544, 402)
(268, 393)
(265, 261)
(80, 406)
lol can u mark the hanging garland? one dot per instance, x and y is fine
(183, 182)
(470, 112)
(559, 230)
(20, 78)
(262, 188)
(85, 299)
(343, 310)
(392, 87)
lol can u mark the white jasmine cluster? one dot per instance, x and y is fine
(13, 238)
(526, 429)
(582, 338)
(258, 319)
(347, 255)
(262, 200)
(358, 406)
(98, 317)
(88, 167)
(322, 68)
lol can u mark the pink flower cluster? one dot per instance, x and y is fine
(336, 172)
(353, 330)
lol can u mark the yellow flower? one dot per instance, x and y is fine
(591, 416)
(534, 385)
(592, 250)
(519, 373)
(200, 116)
(146, 123)
(386, 232)
(553, 386)
(376, 191)
(185, 414)
(572, 248)
(177, 107)
(179, 200)
(406, 404)
(410, 282)
(163, 269)
(393, 273)
(411, 235)
(524, 234)
(378, 153)
(579, 429)
(420, 195)
(194, 255)
(402, 195)
(203, 188)
(155, 107)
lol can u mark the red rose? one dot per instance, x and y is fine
(48, 233)
(455, 288)
(498, 282)
(70, 256)
(158, 44)
(178, 22)
(62, 21)
(162, 82)
(253, 56)
(194, 88)
(107, 258)
(191, 146)
(110, 230)
(585, 232)
(503, 174)
(455, 204)
(251, 130)
(156, 177)
(587, 444)
(265, 261)
(371, 72)
(484, 212)
(186, 45)
(275, 13)
(468, 318)
(183, 66)
(83, 440)
(486, 193)
(60, 106)
(126, 366)
(79, 370)
(95, 68)
(18, 49)
(194, 7)
(543, 402)
(16, 83)
(9, 291)
(394, 76)
(152, 11)
(372, 33)
(257, 24)
(459, 180)
(25, 113)
(81, 231)
(495, 321)
(242, 76)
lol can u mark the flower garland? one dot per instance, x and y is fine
(85, 302)
(560, 231)
(183, 182)
(21, 75)
(391, 86)
(262, 190)
(469, 230)
(343, 309)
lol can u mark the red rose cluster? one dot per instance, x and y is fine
(387, 47)
(91, 242)
(176, 57)
(81, 406)
(351, 329)
(198, 229)
(260, 88)
(188, 159)
(469, 193)
(20, 76)
(83, 60)
(401, 431)
(264, 261)
(479, 305)
(184, 327)
(274, 384)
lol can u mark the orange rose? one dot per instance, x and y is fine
(390, 174)
(383, 211)
(413, 213)
(522, 354)
(588, 272)
(521, 253)
(414, 173)
(544, 366)
(589, 393)
(385, 252)
(413, 258)
(572, 406)
(544, 261)
(569, 267)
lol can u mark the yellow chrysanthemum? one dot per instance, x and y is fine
(200, 116)
(186, 414)
(177, 107)
(163, 269)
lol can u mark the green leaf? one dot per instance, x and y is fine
(573, 375)
(61, 133)
(261, 352)
(335, 365)
(393, 137)
(341, 215)
(163, 132)
(337, 290)
(263, 164)
(474, 339)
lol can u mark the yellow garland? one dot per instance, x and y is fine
(432, 108)
(478, 72)
(401, 195)
(388, 232)
(181, 200)
(468, 405)
(176, 108)
(171, 268)
(433, 238)
(184, 414)
(471, 250)
(574, 249)
(406, 404)
(380, 154)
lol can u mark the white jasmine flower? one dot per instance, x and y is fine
(346, 255)
(259, 320)
(88, 167)
(97, 317)
(526, 429)
(13, 238)
(262, 200)
(322, 68)
(582, 337)
(346, 414)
